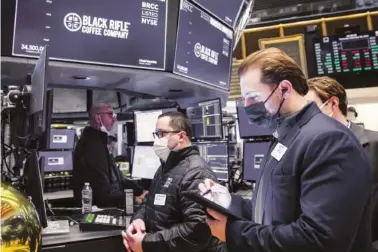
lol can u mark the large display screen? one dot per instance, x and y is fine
(226, 10)
(352, 53)
(203, 47)
(206, 119)
(114, 32)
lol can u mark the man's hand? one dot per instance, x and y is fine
(219, 194)
(125, 242)
(133, 241)
(139, 199)
(217, 226)
(137, 226)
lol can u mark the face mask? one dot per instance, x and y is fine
(322, 106)
(103, 129)
(161, 148)
(258, 114)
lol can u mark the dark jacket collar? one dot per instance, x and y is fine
(359, 132)
(298, 118)
(91, 134)
(175, 157)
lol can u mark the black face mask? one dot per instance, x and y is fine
(258, 114)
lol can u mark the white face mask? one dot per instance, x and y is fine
(161, 148)
(322, 106)
(103, 129)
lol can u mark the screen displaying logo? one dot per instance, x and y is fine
(132, 33)
(72, 22)
(206, 54)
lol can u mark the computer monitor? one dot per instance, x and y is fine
(56, 161)
(34, 185)
(77, 102)
(145, 162)
(206, 119)
(247, 129)
(253, 158)
(216, 155)
(145, 124)
(39, 80)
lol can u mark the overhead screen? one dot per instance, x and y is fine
(203, 47)
(253, 157)
(352, 53)
(247, 129)
(116, 32)
(206, 119)
(145, 124)
(216, 155)
(226, 10)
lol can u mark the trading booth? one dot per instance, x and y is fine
(144, 58)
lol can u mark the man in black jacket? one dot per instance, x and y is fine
(331, 98)
(94, 164)
(168, 221)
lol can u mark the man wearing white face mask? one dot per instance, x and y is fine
(168, 221)
(93, 163)
(331, 98)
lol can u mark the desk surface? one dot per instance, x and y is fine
(76, 235)
(58, 195)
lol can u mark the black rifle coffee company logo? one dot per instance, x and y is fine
(206, 54)
(99, 26)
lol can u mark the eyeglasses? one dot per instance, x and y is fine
(162, 133)
(110, 114)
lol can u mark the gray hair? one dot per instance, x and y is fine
(95, 110)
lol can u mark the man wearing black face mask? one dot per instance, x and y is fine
(315, 184)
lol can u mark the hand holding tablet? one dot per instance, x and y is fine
(213, 196)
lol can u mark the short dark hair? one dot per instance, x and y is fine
(326, 87)
(276, 66)
(178, 121)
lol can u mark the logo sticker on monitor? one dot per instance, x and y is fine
(55, 161)
(258, 160)
(59, 139)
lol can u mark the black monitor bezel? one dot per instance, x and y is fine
(39, 128)
(35, 175)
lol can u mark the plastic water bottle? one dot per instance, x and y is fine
(86, 198)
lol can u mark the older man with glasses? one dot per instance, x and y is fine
(94, 164)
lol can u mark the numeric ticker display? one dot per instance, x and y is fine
(351, 53)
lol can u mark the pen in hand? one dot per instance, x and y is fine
(205, 193)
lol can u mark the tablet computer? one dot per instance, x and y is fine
(210, 204)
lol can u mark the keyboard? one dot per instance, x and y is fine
(56, 227)
(102, 222)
